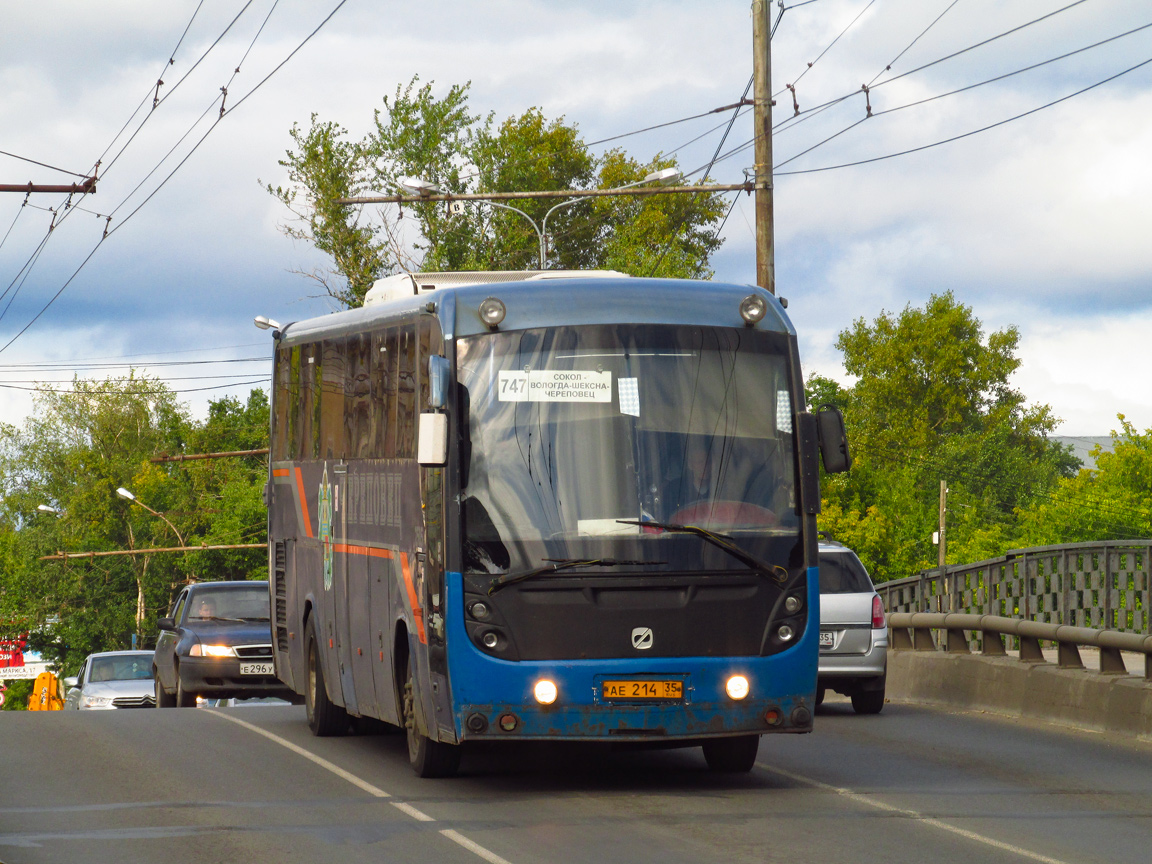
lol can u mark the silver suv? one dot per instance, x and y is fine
(853, 631)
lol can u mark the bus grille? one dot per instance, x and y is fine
(281, 589)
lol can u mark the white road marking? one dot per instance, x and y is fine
(471, 846)
(319, 760)
(912, 814)
(419, 815)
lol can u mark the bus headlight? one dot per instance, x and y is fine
(545, 691)
(737, 687)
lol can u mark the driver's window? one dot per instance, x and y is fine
(178, 609)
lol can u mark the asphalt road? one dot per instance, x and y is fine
(910, 785)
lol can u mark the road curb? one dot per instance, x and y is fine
(1041, 691)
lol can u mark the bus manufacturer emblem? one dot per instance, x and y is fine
(642, 638)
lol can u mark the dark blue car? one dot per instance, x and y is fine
(217, 643)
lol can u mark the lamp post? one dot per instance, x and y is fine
(124, 493)
(423, 188)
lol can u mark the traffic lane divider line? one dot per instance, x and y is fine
(877, 804)
(419, 815)
(472, 846)
(300, 751)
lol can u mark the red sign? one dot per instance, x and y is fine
(12, 652)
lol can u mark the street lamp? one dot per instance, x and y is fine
(124, 493)
(417, 186)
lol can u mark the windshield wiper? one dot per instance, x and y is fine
(560, 564)
(255, 618)
(720, 540)
(212, 618)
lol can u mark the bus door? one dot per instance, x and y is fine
(343, 595)
(362, 593)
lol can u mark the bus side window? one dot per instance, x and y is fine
(358, 415)
(304, 365)
(332, 376)
(384, 357)
(284, 398)
(407, 409)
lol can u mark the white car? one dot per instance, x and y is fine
(853, 631)
(112, 679)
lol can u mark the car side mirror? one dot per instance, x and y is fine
(166, 623)
(71, 682)
(833, 440)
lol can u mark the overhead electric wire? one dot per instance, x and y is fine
(908, 47)
(980, 44)
(223, 114)
(22, 367)
(139, 392)
(828, 48)
(972, 132)
(42, 164)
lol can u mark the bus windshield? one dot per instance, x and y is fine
(571, 432)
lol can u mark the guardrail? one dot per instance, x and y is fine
(912, 631)
(1104, 585)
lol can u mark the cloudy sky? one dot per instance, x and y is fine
(1041, 222)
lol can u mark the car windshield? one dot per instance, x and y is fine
(573, 432)
(842, 573)
(124, 668)
(246, 604)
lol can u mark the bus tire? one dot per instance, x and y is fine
(325, 717)
(731, 755)
(164, 699)
(428, 758)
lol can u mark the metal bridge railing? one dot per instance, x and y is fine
(913, 631)
(1104, 585)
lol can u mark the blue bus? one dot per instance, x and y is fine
(548, 506)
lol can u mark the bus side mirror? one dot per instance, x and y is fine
(437, 381)
(833, 440)
(432, 447)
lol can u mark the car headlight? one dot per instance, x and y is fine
(95, 701)
(212, 651)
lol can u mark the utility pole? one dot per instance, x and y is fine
(762, 129)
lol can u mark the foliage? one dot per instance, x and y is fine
(72, 453)
(1113, 500)
(17, 694)
(439, 140)
(932, 401)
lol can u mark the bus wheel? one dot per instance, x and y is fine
(325, 718)
(428, 758)
(731, 755)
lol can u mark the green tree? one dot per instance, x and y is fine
(72, 453)
(932, 401)
(441, 141)
(1112, 501)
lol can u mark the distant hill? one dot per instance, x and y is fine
(1082, 446)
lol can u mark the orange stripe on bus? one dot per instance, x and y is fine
(281, 472)
(304, 503)
(352, 549)
(417, 612)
